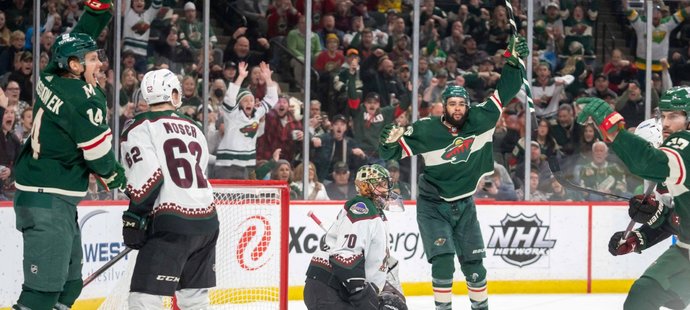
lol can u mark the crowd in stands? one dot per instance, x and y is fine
(361, 54)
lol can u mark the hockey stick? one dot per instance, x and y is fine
(558, 175)
(317, 221)
(105, 267)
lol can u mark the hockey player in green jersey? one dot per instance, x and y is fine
(667, 281)
(69, 140)
(457, 150)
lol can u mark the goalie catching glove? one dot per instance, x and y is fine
(134, 229)
(607, 120)
(633, 243)
(517, 49)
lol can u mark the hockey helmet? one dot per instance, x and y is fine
(455, 91)
(369, 178)
(158, 85)
(676, 99)
(72, 45)
(651, 131)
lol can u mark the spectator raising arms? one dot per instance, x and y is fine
(236, 155)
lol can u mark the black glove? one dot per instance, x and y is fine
(366, 299)
(633, 243)
(645, 210)
(322, 244)
(390, 301)
(134, 230)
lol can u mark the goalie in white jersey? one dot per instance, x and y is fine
(351, 266)
(171, 218)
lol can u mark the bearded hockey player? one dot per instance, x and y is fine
(667, 281)
(349, 269)
(165, 155)
(457, 150)
(69, 140)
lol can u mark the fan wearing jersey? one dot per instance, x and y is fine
(69, 140)
(236, 155)
(171, 218)
(667, 281)
(457, 151)
(349, 269)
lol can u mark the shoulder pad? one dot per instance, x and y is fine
(360, 208)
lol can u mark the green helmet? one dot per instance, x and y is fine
(369, 177)
(676, 99)
(455, 91)
(72, 45)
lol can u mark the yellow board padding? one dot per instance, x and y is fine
(459, 288)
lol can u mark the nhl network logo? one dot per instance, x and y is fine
(520, 240)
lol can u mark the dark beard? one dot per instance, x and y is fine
(450, 120)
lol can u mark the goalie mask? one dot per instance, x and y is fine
(157, 87)
(374, 182)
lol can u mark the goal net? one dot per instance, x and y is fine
(251, 253)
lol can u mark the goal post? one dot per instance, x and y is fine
(251, 251)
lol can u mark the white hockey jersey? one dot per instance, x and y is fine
(358, 236)
(165, 158)
(238, 145)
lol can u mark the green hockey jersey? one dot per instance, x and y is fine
(668, 164)
(456, 161)
(70, 137)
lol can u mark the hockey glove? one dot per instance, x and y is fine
(607, 120)
(517, 48)
(391, 301)
(390, 134)
(134, 229)
(97, 6)
(633, 243)
(646, 210)
(116, 179)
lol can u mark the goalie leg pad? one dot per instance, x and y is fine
(71, 292)
(34, 299)
(143, 301)
(192, 298)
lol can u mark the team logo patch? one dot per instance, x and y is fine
(440, 241)
(359, 208)
(250, 130)
(520, 240)
(459, 151)
(34, 269)
(149, 88)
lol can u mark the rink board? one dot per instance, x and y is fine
(531, 248)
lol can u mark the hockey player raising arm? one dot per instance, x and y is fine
(349, 269)
(667, 281)
(69, 140)
(236, 155)
(165, 155)
(457, 151)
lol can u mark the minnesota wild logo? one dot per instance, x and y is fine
(459, 150)
(250, 130)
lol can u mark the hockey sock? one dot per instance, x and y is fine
(442, 268)
(475, 275)
(192, 298)
(70, 292)
(37, 300)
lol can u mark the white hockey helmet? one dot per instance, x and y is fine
(158, 85)
(651, 131)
